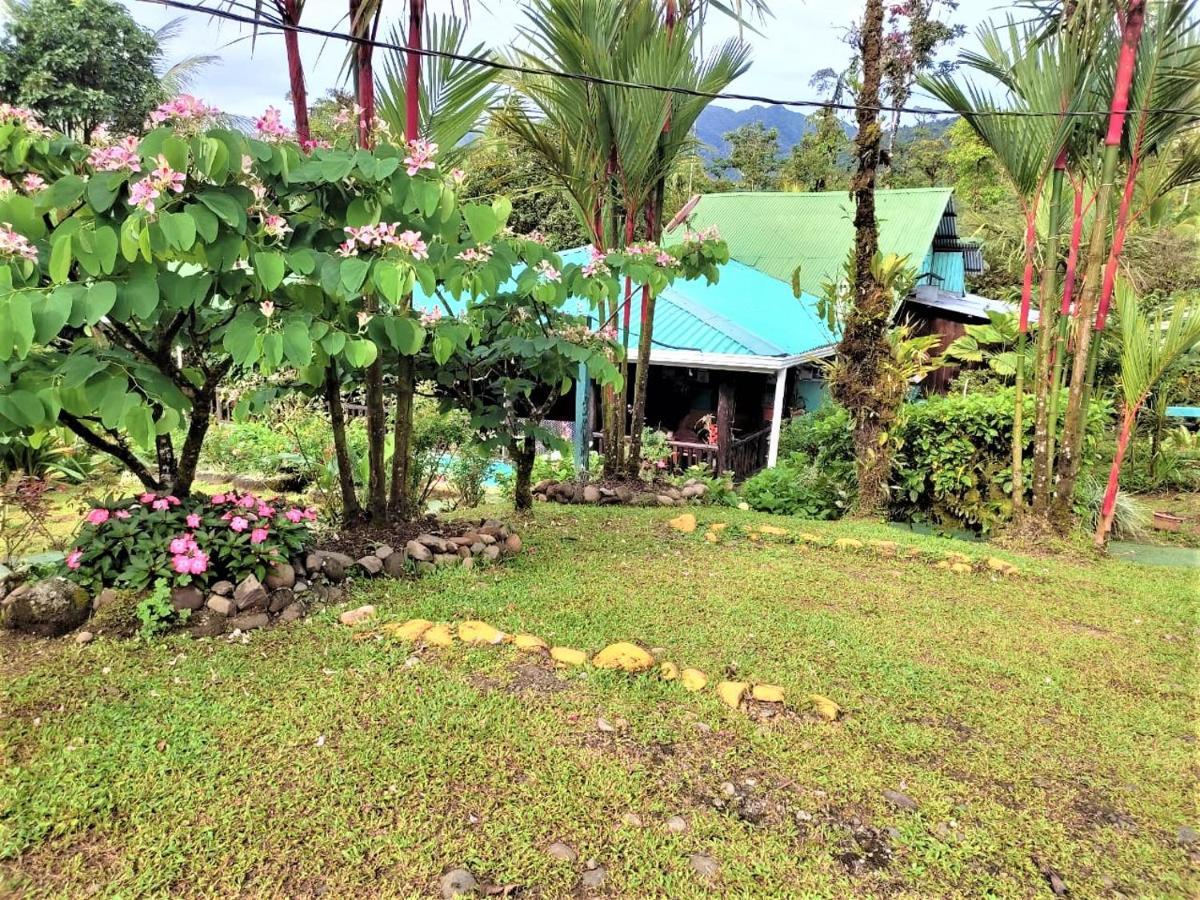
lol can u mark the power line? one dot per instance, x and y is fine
(259, 21)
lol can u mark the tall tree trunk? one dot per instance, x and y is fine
(641, 378)
(351, 511)
(863, 352)
(1083, 368)
(1108, 509)
(291, 43)
(1064, 315)
(1042, 425)
(523, 453)
(1018, 439)
(401, 500)
(193, 442)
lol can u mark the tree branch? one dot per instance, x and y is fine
(116, 448)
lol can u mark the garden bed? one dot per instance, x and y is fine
(621, 492)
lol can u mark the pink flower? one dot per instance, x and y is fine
(237, 523)
(267, 308)
(97, 516)
(184, 108)
(459, 176)
(270, 126)
(198, 563)
(248, 501)
(218, 499)
(664, 258)
(117, 157)
(265, 511)
(347, 248)
(73, 558)
(311, 514)
(161, 504)
(14, 244)
(276, 226)
(258, 535)
(181, 544)
(480, 254)
(122, 514)
(172, 499)
(548, 271)
(146, 497)
(420, 156)
(143, 194)
(33, 183)
(166, 178)
(294, 515)
(193, 521)
(411, 241)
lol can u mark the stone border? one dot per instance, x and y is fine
(692, 491)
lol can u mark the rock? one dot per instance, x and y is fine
(250, 594)
(109, 596)
(478, 547)
(901, 801)
(47, 608)
(249, 621)
(463, 540)
(567, 656)
(594, 878)
(693, 680)
(825, 707)
(394, 566)
(624, 494)
(278, 601)
(442, 560)
(633, 820)
(206, 623)
(468, 563)
(529, 643)
(84, 637)
(512, 544)
(668, 671)
(424, 568)
(542, 486)
(189, 597)
(418, 552)
(223, 588)
(438, 636)
(407, 631)
(281, 575)
(623, 655)
(692, 492)
(480, 633)
(433, 542)
(643, 498)
(562, 852)
(300, 586)
(1187, 836)
(357, 616)
(464, 552)
(767, 693)
(293, 612)
(676, 825)
(345, 559)
(591, 494)
(732, 692)
(704, 866)
(372, 564)
(457, 883)
(491, 552)
(312, 562)
(383, 551)
(222, 606)
(485, 538)
(685, 523)
(333, 569)
(665, 500)
(604, 725)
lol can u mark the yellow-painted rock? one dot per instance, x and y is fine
(732, 692)
(885, 547)
(960, 568)
(408, 631)
(1003, 566)
(825, 707)
(693, 679)
(476, 632)
(942, 564)
(773, 529)
(848, 544)
(711, 537)
(568, 657)
(809, 538)
(718, 526)
(754, 536)
(669, 671)
(767, 693)
(354, 617)
(438, 636)
(685, 523)
(623, 655)
(954, 556)
(529, 643)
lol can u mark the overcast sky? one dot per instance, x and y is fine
(803, 37)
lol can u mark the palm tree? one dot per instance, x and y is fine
(1150, 348)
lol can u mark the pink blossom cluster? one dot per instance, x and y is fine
(596, 265)
(6, 186)
(458, 176)
(186, 556)
(420, 156)
(480, 254)
(310, 145)
(155, 502)
(32, 183)
(270, 126)
(383, 235)
(26, 117)
(536, 237)
(711, 233)
(432, 317)
(547, 271)
(14, 244)
(115, 157)
(183, 109)
(145, 193)
(275, 226)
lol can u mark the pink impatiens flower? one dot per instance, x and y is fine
(122, 514)
(248, 501)
(420, 156)
(193, 521)
(146, 498)
(237, 523)
(182, 544)
(73, 558)
(218, 499)
(97, 516)
(265, 511)
(294, 515)
(161, 504)
(258, 535)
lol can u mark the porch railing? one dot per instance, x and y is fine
(745, 456)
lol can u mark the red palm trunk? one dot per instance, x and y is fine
(291, 43)
(1108, 509)
(1120, 229)
(412, 65)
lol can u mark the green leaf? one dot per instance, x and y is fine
(23, 407)
(179, 229)
(270, 269)
(272, 351)
(302, 262)
(227, 209)
(482, 222)
(105, 240)
(100, 299)
(241, 340)
(20, 311)
(297, 345)
(50, 314)
(334, 342)
(62, 193)
(360, 353)
(206, 221)
(405, 335)
(353, 273)
(502, 207)
(176, 152)
(362, 212)
(102, 190)
(60, 259)
(139, 423)
(141, 293)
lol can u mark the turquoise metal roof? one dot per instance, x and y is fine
(746, 313)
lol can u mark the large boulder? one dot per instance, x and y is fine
(48, 608)
(250, 594)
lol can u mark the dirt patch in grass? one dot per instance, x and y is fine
(535, 679)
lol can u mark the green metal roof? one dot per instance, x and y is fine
(775, 232)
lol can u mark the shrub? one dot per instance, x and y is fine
(136, 542)
(719, 488)
(797, 487)
(155, 612)
(1130, 519)
(468, 474)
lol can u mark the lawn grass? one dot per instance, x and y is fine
(1043, 723)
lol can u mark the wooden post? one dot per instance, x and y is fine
(724, 424)
(583, 421)
(776, 418)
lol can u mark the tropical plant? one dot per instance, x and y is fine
(1150, 347)
(797, 487)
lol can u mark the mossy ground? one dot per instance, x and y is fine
(1043, 723)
